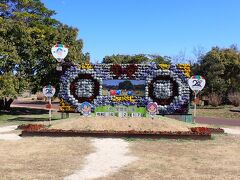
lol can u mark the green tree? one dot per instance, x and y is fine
(221, 69)
(27, 33)
(127, 85)
(136, 59)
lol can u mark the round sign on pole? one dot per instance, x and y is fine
(86, 108)
(196, 83)
(49, 91)
(152, 108)
(59, 52)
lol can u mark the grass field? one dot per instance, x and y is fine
(26, 115)
(55, 158)
(183, 159)
(219, 112)
(42, 157)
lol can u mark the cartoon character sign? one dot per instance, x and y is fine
(59, 52)
(86, 108)
(196, 83)
(152, 108)
(49, 91)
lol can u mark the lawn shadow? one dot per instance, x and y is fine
(24, 111)
(32, 119)
(34, 102)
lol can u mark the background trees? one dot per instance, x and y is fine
(221, 69)
(27, 33)
(136, 59)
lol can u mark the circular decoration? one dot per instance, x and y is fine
(49, 91)
(118, 92)
(84, 88)
(129, 93)
(86, 108)
(163, 89)
(196, 83)
(112, 92)
(152, 108)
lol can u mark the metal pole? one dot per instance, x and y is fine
(195, 106)
(50, 111)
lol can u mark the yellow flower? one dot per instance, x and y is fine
(164, 66)
(85, 66)
(185, 68)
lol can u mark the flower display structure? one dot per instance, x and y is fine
(164, 84)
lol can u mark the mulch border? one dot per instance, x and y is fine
(198, 133)
(119, 134)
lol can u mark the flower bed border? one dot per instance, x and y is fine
(119, 134)
(207, 129)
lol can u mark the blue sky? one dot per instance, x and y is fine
(164, 27)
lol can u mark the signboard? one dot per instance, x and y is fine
(152, 108)
(196, 83)
(120, 111)
(59, 52)
(86, 108)
(49, 91)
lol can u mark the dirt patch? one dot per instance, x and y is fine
(122, 124)
(110, 156)
(180, 159)
(42, 158)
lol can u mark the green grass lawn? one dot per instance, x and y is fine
(25, 116)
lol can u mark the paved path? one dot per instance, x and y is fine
(110, 156)
(218, 121)
(6, 135)
(34, 104)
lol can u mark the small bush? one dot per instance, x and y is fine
(215, 99)
(234, 98)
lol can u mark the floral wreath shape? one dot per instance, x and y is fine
(118, 70)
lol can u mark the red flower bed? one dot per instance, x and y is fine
(31, 127)
(132, 133)
(206, 130)
(200, 130)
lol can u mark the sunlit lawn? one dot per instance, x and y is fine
(218, 112)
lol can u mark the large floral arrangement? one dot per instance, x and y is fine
(170, 79)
